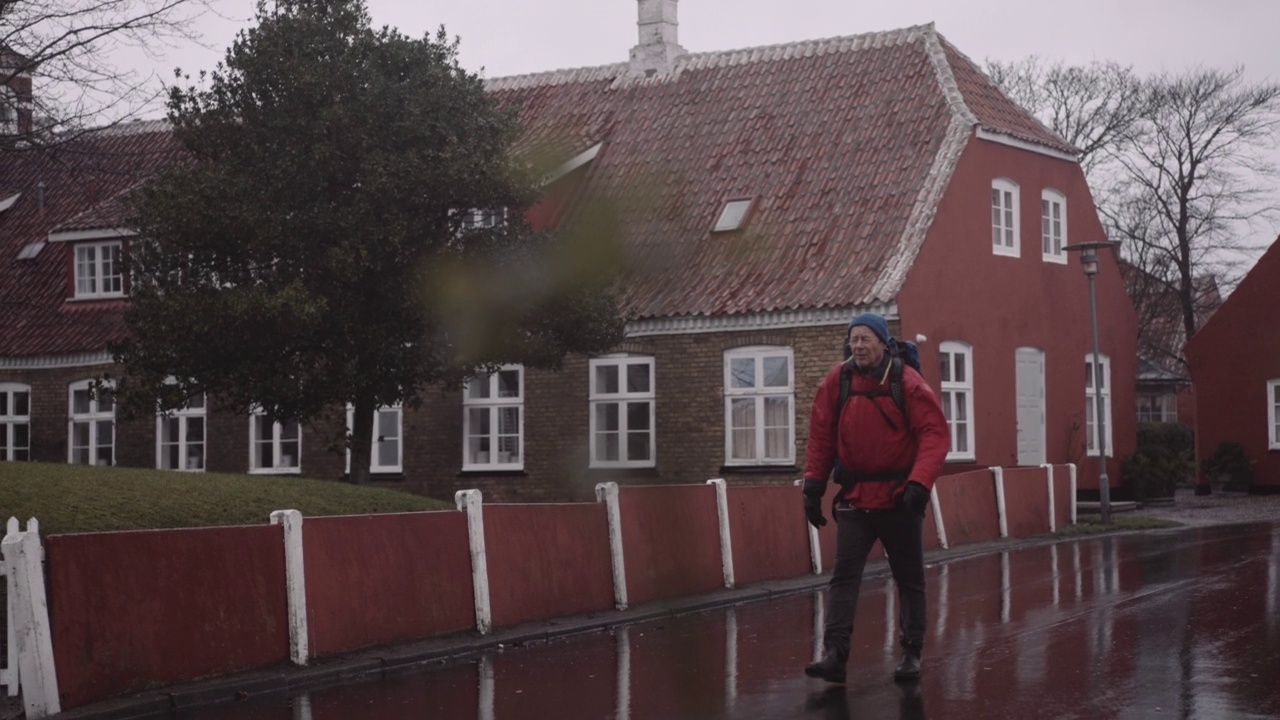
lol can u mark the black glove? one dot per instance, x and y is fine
(914, 498)
(813, 492)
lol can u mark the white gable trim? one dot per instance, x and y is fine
(98, 234)
(572, 164)
(1011, 141)
(748, 322)
(49, 362)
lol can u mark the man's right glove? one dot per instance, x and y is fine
(814, 490)
(915, 498)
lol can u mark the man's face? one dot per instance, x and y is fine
(868, 351)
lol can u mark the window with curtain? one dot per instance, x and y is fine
(180, 437)
(759, 401)
(493, 420)
(1005, 238)
(957, 397)
(1053, 225)
(274, 447)
(622, 402)
(387, 452)
(92, 432)
(15, 421)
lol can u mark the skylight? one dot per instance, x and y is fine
(733, 215)
(30, 250)
(8, 202)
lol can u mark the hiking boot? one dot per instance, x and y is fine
(909, 668)
(830, 668)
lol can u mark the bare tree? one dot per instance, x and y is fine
(1180, 173)
(1195, 177)
(1094, 107)
(64, 49)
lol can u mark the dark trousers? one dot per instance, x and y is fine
(856, 533)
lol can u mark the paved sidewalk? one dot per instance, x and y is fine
(1186, 508)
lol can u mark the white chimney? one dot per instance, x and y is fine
(659, 47)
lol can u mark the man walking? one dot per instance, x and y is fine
(885, 444)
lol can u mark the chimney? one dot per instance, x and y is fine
(15, 93)
(659, 47)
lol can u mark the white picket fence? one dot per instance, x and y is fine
(28, 668)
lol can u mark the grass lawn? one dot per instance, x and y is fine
(80, 498)
(1092, 524)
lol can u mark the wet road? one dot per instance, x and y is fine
(1173, 625)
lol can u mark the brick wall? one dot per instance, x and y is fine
(689, 424)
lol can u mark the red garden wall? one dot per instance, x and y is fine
(969, 511)
(547, 560)
(131, 610)
(770, 537)
(1026, 500)
(671, 540)
(375, 579)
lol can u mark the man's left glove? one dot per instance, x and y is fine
(914, 498)
(813, 492)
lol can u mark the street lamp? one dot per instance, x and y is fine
(1089, 260)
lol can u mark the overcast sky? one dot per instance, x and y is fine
(510, 37)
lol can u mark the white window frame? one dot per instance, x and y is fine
(956, 395)
(106, 270)
(598, 398)
(278, 466)
(1053, 238)
(1005, 209)
(184, 415)
(759, 393)
(10, 420)
(494, 405)
(8, 110)
(379, 436)
(1091, 405)
(96, 417)
(1273, 414)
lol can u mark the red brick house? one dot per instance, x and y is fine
(766, 195)
(1235, 367)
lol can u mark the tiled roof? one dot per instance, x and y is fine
(846, 144)
(82, 181)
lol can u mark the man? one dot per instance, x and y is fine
(885, 461)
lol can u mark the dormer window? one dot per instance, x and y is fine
(99, 273)
(733, 216)
(8, 111)
(482, 219)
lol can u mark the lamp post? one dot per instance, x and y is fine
(1089, 261)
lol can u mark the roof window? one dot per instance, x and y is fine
(733, 216)
(30, 250)
(8, 202)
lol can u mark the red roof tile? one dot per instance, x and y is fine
(846, 144)
(82, 180)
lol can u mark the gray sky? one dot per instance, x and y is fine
(510, 37)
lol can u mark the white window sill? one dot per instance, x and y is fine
(961, 458)
(493, 467)
(759, 463)
(95, 298)
(1056, 259)
(623, 465)
(276, 471)
(1005, 252)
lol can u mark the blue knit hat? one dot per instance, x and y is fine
(873, 321)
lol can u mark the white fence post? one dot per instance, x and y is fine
(1073, 493)
(9, 673)
(1001, 509)
(22, 555)
(815, 541)
(607, 493)
(469, 500)
(726, 543)
(937, 518)
(295, 583)
(1053, 503)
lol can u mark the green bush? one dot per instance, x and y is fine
(1172, 436)
(1153, 472)
(1230, 465)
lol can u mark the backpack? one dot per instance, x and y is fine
(900, 352)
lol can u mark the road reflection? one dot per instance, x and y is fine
(1177, 624)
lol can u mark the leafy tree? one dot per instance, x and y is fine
(1180, 172)
(319, 248)
(65, 46)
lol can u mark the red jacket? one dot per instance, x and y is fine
(868, 445)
